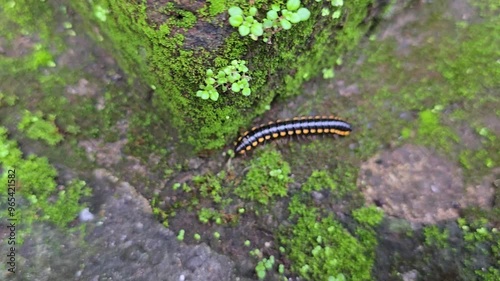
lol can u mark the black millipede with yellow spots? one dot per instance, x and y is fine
(317, 125)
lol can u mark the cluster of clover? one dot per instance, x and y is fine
(276, 19)
(234, 76)
(230, 77)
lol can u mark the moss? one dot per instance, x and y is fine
(37, 184)
(319, 180)
(216, 7)
(370, 216)
(436, 237)
(481, 241)
(206, 215)
(211, 187)
(67, 205)
(178, 17)
(37, 128)
(454, 93)
(430, 131)
(266, 178)
(322, 248)
(319, 246)
(7, 99)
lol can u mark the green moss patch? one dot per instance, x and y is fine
(321, 248)
(36, 127)
(266, 179)
(36, 183)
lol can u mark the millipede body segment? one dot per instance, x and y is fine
(316, 125)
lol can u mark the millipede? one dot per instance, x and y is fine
(311, 125)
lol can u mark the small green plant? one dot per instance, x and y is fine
(180, 236)
(281, 269)
(371, 216)
(276, 19)
(205, 215)
(7, 100)
(337, 4)
(100, 13)
(328, 73)
(197, 237)
(435, 237)
(210, 186)
(322, 248)
(263, 266)
(36, 127)
(231, 77)
(48, 202)
(266, 179)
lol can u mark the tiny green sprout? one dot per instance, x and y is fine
(437, 108)
(180, 236)
(275, 173)
(325, 12)
(218, 221)
(232, 77)
(272, 23)
(176, 186)
(340, 277)
(328, 73)
(337, 3)
(316, 250)
(304, 269)
(483, 132)
(269, 262)
(241, 210)
(100, 13)
(67, 25)
(336, 14)
(197, 237)
(32, 199)
(282, 249)
(247, 243)
(260, 269)
(319, 239)
(281, 268)
(216, 235)
(339, 61)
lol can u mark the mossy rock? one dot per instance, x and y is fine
(170, 46)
